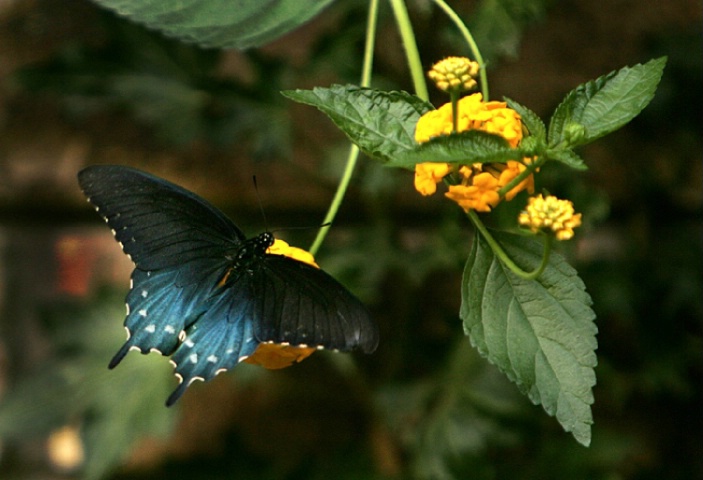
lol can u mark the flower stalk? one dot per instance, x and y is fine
(353, 155)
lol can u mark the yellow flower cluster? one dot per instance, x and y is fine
(551, 214)
(478, 189)
(455, 74)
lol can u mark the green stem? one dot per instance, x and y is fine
(353, 156)
(529, 170)
(470, 41)
(454, 98)
(411, 52)
(502, 254)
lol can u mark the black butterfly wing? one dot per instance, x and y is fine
(158, 224)
(179, 243)
(279, 300)
(302, 305)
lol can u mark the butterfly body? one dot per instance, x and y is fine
(206, 295)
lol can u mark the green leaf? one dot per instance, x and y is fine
(380, 123)
(498, 25)
(530, 119)
(220, 23)
(540, 333)
(569, 157)
(601, 106)
(462, 148)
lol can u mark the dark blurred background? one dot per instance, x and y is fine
(80, 86)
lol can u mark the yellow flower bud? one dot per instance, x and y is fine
(454, 74)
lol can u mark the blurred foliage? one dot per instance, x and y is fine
(425, 405)
(74, 386)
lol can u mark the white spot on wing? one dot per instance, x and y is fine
(189, 343)
(144, 293)
(200, 379)
(142, 312)
(193, 357)
(169, 329)
(150, 328)
(212, 359)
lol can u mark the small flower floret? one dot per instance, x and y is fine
(552, 215)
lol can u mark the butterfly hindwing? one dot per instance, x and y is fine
(158, 311)
(222, 337)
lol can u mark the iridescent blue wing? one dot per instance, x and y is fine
(278, 300)
(179, 243)
(222, 336)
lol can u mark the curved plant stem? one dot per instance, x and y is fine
(470, 41)
(529, 170)
(503, 256)
(413, 55)
(353, 155)
(454, 98)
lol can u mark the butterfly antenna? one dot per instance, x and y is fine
(263, 213)
(261, 205)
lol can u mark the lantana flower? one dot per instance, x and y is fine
(474, 114)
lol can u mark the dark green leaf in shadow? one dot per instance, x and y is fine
(530, 119)
(568, 157)
(465, 148)
(220, 23)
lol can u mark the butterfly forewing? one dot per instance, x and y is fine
(159, 224)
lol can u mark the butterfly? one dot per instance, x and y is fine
(207, 296)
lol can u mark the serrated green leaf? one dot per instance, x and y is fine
(603, 105)
(530, 119)
(569, 157)
(220, 23)
(540, 333)
(380, 123)
(467, 147)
